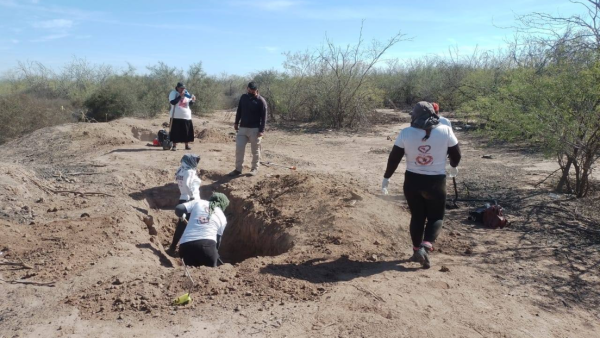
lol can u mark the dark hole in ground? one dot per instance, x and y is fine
(163, 197)
(248, 235)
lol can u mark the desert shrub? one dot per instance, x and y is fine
(21, 114)
(111, 102)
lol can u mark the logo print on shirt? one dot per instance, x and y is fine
(203, 219)
(424, 158)
(183, 103)
(424, 149)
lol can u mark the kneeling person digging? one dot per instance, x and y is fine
(202, 233)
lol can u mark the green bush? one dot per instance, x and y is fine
(111, 102)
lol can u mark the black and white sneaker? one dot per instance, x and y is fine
(422, 257)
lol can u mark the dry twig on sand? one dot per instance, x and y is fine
(54, 191)
(21, 264)
(50, 284)
(376, 296)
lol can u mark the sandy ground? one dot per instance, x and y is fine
(318, 252)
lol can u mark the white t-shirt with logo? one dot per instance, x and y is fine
(426, 157)
(201, 225)
(182, 108)
(189, 184)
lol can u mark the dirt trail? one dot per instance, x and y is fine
(87, 209)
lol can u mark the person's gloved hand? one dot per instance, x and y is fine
(452, 172)
(384, 186)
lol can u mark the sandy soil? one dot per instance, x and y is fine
(318, 252)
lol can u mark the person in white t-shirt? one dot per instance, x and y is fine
(426, 143)
(201, 239)
(182, 128)
(189, 188)
(443, 120)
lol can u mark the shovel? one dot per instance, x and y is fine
(278, 165)
(186, 297)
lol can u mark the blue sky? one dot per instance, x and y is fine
(240, 37)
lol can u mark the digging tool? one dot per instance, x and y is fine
(456, 199)
(278, 165)
(185, 298)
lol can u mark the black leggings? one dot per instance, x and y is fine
(201, 252)
(426, 197)
(179, 229)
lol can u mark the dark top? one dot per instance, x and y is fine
(397, 154)
(252, 112)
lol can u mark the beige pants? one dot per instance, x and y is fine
(245, 135)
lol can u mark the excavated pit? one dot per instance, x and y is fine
(163, 197)
(249, 235)
(143, 134)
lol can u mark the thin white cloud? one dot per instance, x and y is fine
(156, 25)
(54, 24)
(30, 7)
(276, 5)
(270, 49)
(51, 37)
(269, 5)
(15, 41)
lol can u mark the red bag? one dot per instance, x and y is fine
(493, 217)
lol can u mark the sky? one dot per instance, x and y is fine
(241, 37)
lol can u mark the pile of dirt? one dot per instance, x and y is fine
(88, 211)
(210, 135)
(280, 217)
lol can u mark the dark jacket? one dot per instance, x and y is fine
(252, 112)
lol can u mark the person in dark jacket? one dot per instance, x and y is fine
(250, 122)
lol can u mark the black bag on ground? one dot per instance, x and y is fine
(163, 139)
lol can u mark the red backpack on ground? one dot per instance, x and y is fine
(493, 217)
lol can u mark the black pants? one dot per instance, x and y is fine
(426, 197)
(179, 229)
(201, 252)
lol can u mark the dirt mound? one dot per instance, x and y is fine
(266, 219)
(87, 210)
(209, 135)
(143, 134)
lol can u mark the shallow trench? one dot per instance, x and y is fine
(247, 234)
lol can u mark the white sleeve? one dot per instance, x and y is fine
(452, 140)
(194, 185)
(172, 96)
(190, 205)
(400, 140)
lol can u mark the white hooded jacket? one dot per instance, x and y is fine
(189, 184)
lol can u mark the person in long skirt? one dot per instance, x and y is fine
(182, 128)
